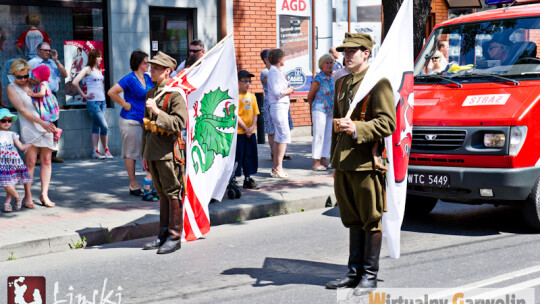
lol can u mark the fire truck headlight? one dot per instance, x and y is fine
(494, 140)
(517, 139)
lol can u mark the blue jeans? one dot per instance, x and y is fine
(96, 109)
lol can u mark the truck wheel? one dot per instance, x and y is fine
(418, 206)
(531, 207)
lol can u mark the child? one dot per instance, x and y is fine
(43, 98)
(246, 141)
(12, 169)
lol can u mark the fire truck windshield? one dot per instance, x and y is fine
(466, 52)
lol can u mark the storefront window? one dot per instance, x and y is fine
(74, 23)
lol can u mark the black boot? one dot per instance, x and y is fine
(162, 237)
(170, 246)
(371, 259)
(175, 228)
(356, 258)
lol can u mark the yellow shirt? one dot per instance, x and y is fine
(247, 109)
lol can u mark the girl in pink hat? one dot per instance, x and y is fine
(43, 98)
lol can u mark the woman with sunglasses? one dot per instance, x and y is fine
(34, 130)
(134, 86)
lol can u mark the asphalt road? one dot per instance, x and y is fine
(288, 259)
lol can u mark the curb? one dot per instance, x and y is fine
(148, 226)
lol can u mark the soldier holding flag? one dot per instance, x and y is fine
(164, 118)
(358, 187)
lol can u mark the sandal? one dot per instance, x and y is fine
(319, 168)
(277, 174)
(18, 203)
(7, 207)
(149, 197)
(136, 192)
(29, 205)
(44, 204)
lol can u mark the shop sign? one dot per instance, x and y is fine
(293, 28)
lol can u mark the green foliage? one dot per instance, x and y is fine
(12, 256)
(79, 244)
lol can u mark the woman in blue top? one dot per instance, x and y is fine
(134, 85)
(321, 99)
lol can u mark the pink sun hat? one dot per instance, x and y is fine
(42, 72)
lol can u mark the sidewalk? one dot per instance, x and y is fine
(93, 201)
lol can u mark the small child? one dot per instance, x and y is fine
(44, 100)
(246, 141)
(12, 169)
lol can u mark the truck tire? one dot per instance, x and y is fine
(419, 206)
(531, 207)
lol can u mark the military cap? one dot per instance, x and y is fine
(354, 40)
(164, 60)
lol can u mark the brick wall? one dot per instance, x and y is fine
(440, 9)
(255, 30)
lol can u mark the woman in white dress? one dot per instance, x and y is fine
(278, 97)
(35, 131)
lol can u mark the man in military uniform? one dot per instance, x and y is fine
(357, 185)
(167, 116)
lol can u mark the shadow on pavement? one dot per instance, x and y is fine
(277, 271)
(334, 211)
(469, 220)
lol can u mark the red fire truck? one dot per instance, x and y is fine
(476, 134)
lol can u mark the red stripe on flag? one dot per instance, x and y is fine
(180, 81)
(188, 232)
(198, 211)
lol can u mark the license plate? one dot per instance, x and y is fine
(429, 179)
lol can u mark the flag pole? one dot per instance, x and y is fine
(185, 71)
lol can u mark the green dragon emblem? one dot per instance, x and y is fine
(213, 133)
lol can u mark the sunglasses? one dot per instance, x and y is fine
(4, 120)
(22, 77)
(434, 58)
(245, 81)
(46, 51)
(195, 51)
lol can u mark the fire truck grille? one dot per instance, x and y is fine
(425, 140)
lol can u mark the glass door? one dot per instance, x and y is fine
(171, 30)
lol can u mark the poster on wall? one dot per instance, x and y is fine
(293, 28)
(76, 58)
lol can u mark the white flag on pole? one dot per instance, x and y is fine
(212, 100)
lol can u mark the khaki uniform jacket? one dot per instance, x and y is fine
(160, 147)
(346, 152)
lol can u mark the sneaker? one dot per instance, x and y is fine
(250, 183)
(108, 153)
(97, 155)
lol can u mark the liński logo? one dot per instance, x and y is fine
(26, 290)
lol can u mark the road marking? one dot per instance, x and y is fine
(490, 281)
(509, 289)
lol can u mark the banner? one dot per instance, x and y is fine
(76, 58)
(293, 28)
(395, 61)
(212, 98)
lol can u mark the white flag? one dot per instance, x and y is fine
(212, 100)
(395, 61)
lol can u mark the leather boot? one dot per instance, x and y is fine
(155, 244)
(371, 259)
(356, 258)
(175, 228)
(163, 211)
